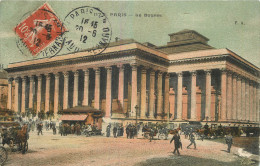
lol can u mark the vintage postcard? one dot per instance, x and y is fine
(105, 83)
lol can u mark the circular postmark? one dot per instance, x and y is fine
(40, 34)
(88, 30)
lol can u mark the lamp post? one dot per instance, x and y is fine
(207, 119)
(136, 108)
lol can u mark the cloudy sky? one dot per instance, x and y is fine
(228, 24)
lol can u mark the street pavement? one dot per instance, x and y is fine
(49, 149)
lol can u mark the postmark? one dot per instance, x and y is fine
(88, 30)
(40, 33)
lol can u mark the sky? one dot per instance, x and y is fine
(228, 24)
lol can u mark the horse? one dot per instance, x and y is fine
(22, 137)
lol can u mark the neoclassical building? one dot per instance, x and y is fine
(185, 80)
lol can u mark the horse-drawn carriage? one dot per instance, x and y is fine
(15, 135)
(149, 132)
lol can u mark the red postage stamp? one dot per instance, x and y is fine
(40, 29)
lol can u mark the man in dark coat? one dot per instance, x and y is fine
(127, 130)
(192, 141)
(177, 142)
(108, 130)
(229, 142)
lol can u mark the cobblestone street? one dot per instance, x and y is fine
(48, 149)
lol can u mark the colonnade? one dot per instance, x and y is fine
(145, 111)
(239, 96)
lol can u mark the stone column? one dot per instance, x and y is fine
(109, 92)
(166, 95)
(76, 89)
(9, 100)
(223, 113)
(121, 86)
(159, 93)
(239, 102)
(56, 94)
(243, 99)
(86, 87)
(234, 96)
(193, 96)
(97, 89)
(31, 91)
(143, 93)
(47, 94)
(257, 102)
(172, 103)
(229, 96)
(39, 93)
(23, 94)
(251, 111)
(151, 90)
(16, 95)
(208, 94)
(179, 97)
(134, 89)
(66, 90)
(255, 115)
(247, 100)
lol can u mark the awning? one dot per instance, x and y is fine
(74, 117)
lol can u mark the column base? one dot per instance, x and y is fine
(193, 120)
(180, 120)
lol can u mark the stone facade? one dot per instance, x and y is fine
(132, 81)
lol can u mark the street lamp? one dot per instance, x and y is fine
(136, 108)
(207, 119)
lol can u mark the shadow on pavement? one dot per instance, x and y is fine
(174, 160)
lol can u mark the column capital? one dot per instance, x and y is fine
(121, 66)
(86, 72)
(31, 77)
(193, 73)
(48, 76)
(229, 72)
(39, 77)
(109, 68)
(160, 73)
(238, 77)
(179, 74)
(144, 70)
(251, 82)
(66, 73)
(56, 75)
(10, 80)
(152, 73)
(24, 78)
(208, 71)
(134, 66)
(76, 73)
(167, 75)
(97, 70)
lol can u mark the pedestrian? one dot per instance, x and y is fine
(108, 130)
(54, 129)
(127, 130)
(115, 131)
(177, 142)
(39, 128)
(119, 131)
(131, 132)
(192, 141)
(229, 142)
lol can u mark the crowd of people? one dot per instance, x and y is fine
(131, 131)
